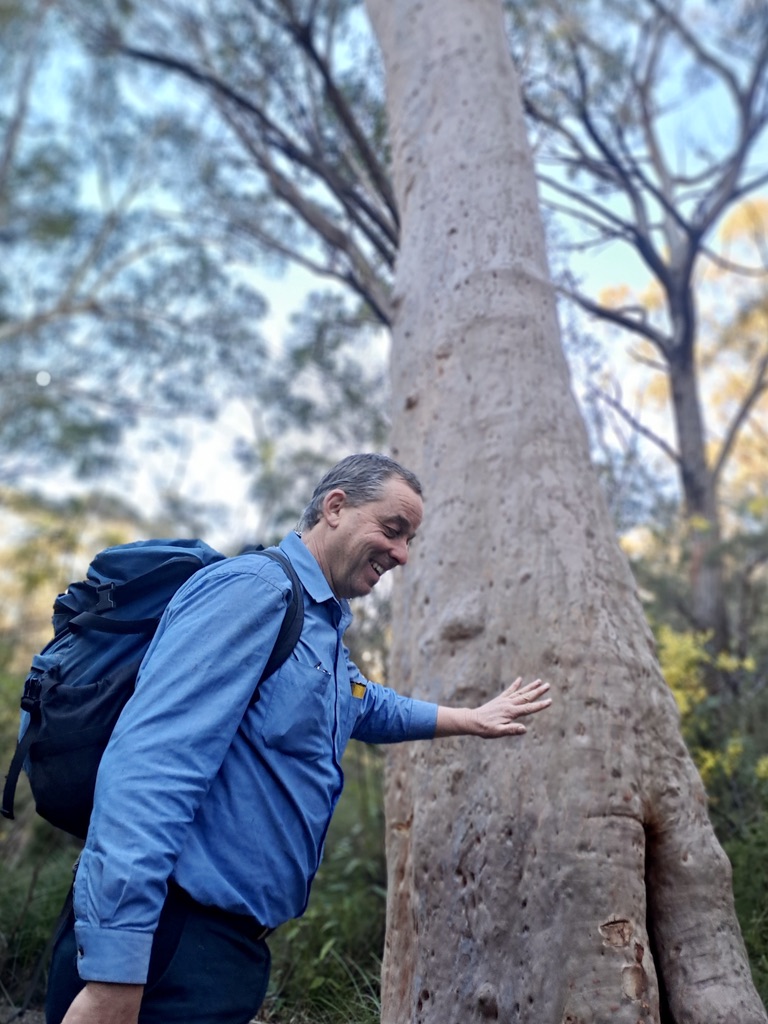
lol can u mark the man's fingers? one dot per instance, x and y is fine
(530, 699)
(531, 709)
(532, 691)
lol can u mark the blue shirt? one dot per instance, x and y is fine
(229, 799)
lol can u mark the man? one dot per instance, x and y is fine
(210, 810)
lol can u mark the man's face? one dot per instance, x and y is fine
(369, 540)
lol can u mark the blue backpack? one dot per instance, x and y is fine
(82, 679)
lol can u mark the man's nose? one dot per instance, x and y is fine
(399, 550)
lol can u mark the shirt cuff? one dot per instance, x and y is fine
(112, 955)
(423, 720)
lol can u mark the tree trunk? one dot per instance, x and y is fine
(701, 509)
(565, 875)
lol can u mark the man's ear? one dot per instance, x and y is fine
(333, 503)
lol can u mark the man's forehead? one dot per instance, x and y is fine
(401, 505)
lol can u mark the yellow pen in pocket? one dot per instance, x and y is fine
(358, 689)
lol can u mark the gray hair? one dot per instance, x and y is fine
(362, 478)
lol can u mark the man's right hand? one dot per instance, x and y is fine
(105, 1003)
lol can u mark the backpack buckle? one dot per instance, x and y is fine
(33, 688)
(105, 601)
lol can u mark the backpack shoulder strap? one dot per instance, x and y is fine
(293, 622)
(14, 769)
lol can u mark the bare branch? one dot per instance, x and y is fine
(626, 172)
(635, 424)
(726, 190)
(620, 319)
(275, 138)
(302, 33)
(18, 328)
(652, 364)
(705, 57)
(338, 240)
(731, 266)
(581, 103)
(758, 388)
(368, 287)
(750, 186)
(605, 218)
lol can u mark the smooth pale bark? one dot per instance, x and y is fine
(522, 872)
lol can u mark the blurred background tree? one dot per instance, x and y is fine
(176, 178)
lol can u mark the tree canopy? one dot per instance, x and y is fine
(115, 310)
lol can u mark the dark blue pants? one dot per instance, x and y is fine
(207, 967)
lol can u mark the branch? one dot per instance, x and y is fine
(582, 158)
(350, 202)
(581, 103)
(642, 233)
(369, 289)
(276, 138)
(759, 387)
(638, 357)
(15, 328)
(643, 85)
(750, 186)
(18, 117)
(706, 58)
(621, 227)
(635, 423)
(622, 167)
(731, 267)
(337, 239)
(726, 189)
(111, 271)
(99, 242)
(274, 135)
(302, 33)
(615, 316)
(68, 306)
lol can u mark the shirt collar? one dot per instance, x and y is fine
(309, 572)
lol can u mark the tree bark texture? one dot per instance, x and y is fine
(572, 875)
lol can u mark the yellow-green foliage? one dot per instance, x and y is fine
(683, 657)
(724, 762)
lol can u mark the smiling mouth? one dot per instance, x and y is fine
(378, 569)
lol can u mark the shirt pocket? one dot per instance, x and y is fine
(298, 711)
(350, 706)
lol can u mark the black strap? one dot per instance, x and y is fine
(112, 595)
(178, 568)
(103, 624)
(12, 778)
(293, 622)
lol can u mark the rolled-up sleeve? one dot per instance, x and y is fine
(388, 717)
